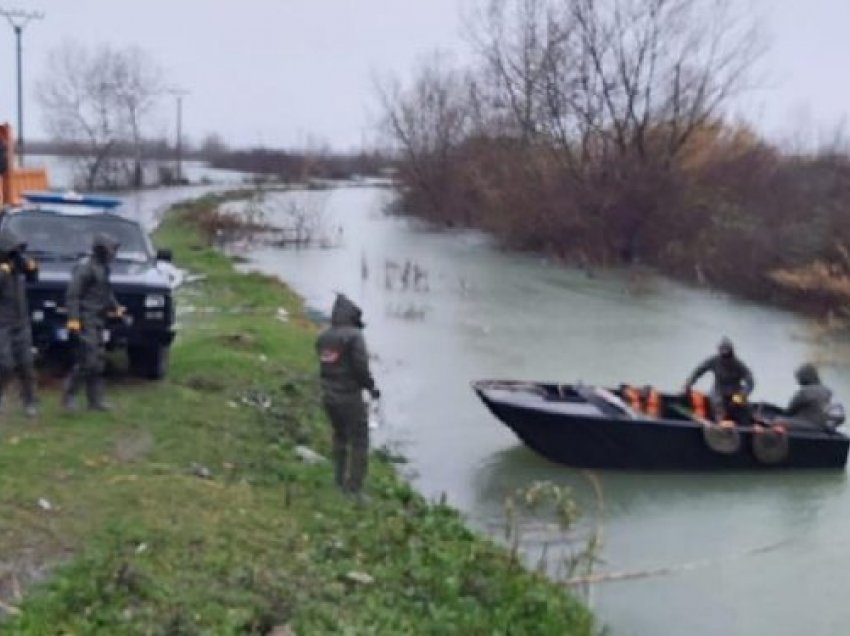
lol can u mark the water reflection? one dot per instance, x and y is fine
(795, 497)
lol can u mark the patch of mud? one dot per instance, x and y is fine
(26, 562)
(132, 445)
(16, 575)
(204, 384)
(239, 340)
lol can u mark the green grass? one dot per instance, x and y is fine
(135, 542)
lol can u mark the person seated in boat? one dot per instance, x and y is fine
(733, 382)
(809, 407)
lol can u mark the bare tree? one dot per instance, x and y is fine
(427, 122)
(99, 101)
(653, 72)
(572, 132)
(137, 83)
(303, 223)
(516, 39)
(602, 76)
(659, 67)
(615, 88)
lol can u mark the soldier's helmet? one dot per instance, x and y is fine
(104, 246)
(807, 374)
(10, 243)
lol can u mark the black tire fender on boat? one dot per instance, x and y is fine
(770, 446)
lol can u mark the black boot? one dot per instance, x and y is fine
(94, 393)
(340, 461)
(69, 392)
(28, 392)
(4, 382)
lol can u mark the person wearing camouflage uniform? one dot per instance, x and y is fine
(345, 374)
(15, 331)
(90, 302)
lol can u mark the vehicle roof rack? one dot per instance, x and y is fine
(72, 198)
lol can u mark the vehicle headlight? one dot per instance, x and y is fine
(154, 301)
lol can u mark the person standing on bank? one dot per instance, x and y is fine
(15, 331)
(90, 302)
(733, 380)
(345, 374)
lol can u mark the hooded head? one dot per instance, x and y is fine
(104, 247)
(726, 349)
(11, 243)
(807, 374)
(346, 314)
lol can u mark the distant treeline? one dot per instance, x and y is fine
(159, 150)
(285, 165)
(593, 131)
(293, 166)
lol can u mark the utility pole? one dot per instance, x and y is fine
(19, 19)
(179, 93)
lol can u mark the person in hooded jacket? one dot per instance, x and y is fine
(90, 303)
(733, 380)
(808, 406)
(15, 331)
(345, 374)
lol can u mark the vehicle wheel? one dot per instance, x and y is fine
(149, 362)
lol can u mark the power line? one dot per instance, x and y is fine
(18, 20)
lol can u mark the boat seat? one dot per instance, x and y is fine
(609, 403)
(685, 413)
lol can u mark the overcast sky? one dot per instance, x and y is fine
(288, 72)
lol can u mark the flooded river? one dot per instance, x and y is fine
(748, 553)
(148, 205)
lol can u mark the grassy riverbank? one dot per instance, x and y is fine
(188, 511)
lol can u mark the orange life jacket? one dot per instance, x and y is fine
(632, 396)
(648, 402)
(653, 403)
(699, 404)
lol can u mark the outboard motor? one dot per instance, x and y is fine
(834, 415)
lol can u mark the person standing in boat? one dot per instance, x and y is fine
(733, 380)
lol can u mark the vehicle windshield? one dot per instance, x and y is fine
(71, 236)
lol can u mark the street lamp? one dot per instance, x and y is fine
(18, 20)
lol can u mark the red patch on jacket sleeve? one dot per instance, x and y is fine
(329, 356)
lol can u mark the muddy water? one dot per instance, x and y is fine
(747, 553)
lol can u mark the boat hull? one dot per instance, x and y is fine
(593, 441)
